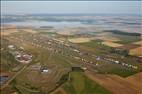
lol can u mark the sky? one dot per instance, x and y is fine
(36, 7)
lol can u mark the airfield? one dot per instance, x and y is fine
(62, 63)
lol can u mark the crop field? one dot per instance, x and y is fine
(79, 40)
(115, 69)
(111, 44)
(79, 84)
(126, 39)
(129, 46)
(136, 51)
(48, 52)
(105, 36)
(134, 79)
(8, 30)
(116, 84)
(139, 42)
(94, 46)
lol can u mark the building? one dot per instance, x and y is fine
(44, 69)
(11, 47)
(23, 58)
(77, 68)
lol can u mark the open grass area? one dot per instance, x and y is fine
(80, 84)
(7, 59)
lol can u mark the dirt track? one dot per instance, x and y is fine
(117, 84)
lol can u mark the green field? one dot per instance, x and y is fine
(116, 69)
(80, 84)
(125, 39)
(95, 46)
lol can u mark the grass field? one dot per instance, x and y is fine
(80, 84)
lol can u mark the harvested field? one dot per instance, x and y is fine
(129, 46)
(136, 80)
(116, 84)
(6, 27)
(9, 31)
(111, 44)
(136, 51)
(139, 43)
(64, 33)
(80, 40)
(29, 30)
(104, 34)
(105, 38)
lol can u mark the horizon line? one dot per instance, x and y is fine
(70, 13)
